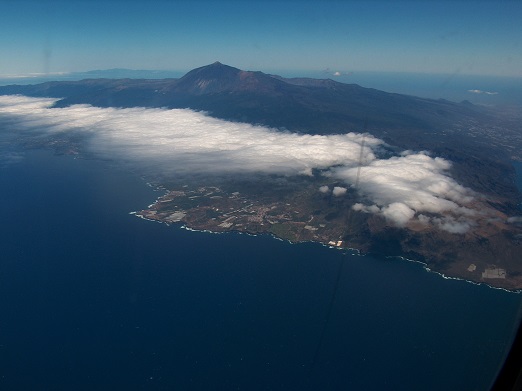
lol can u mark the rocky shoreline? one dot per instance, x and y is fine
(488, 255)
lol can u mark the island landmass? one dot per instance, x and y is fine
(480, 142)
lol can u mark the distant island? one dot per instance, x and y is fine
(480, 142)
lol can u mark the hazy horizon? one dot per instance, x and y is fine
(480, 38)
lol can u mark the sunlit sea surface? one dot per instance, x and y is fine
(93, 298)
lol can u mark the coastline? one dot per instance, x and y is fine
(352, 251)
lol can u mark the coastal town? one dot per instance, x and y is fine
(212, 209)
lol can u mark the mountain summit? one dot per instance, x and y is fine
(217, 78)
(211, 78)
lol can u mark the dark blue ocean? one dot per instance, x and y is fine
(93, 298)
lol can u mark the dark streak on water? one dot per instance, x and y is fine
(92, 298)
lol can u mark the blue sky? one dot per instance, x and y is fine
(480, 37)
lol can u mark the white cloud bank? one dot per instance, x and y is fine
(404, 187)
(413, 187)
(186, 141)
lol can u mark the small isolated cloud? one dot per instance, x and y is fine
(339, 191)
(328, 71)
(366, 208)
(514, 220)
(459, 225)
(324, 189)
(398, 212)
(483, 92)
